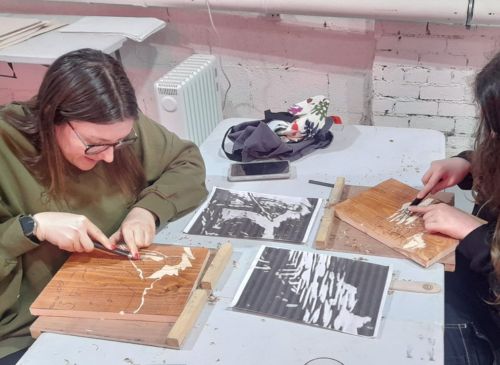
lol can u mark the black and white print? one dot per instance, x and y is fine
(317, 289)
(243, 214)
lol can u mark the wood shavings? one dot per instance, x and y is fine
(129, 361)
(212, 299)
(415, 242)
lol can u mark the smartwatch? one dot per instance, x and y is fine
(28, 226)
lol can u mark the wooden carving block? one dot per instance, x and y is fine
(141, 332)
(376, 211)
(345, 238)
(104, 286)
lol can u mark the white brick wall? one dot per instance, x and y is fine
(440, 76)
(416, 74)
(395, 89)
(464, 125)
(423, 77)
(456, 109)
(416, 107)
(452, 92)
(375, 72)
(443, 124)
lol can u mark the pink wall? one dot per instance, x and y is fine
(386, 73)
(270, 64)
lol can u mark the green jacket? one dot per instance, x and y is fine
(176, 177)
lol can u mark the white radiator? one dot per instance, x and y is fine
(188, 98)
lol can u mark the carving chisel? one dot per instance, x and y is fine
(415, 202)
(116, 251)
(321, 183)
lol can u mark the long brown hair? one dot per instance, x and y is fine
(485, 163)
(85, 85)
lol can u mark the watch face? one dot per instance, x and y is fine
(27, 225)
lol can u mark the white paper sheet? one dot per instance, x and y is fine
(135, 28)
(317, 289)
(249, 215)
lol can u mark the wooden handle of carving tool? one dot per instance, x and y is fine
(325, 226)
(415, 286)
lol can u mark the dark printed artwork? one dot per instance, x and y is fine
(243, 214)
(317, 289)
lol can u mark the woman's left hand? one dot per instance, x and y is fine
(447, 220)
(137, 230)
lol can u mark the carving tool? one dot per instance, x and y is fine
(417, 201)
(116, 251)
(414, 202)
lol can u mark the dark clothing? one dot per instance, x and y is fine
(467, 320)
(12, 359)
(254, 140)
(472, 331)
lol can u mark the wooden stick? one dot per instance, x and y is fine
(325, 226)
(217, 266)
(415, 286)
(199, 298)
(188, 317)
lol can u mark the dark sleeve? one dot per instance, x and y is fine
(467, 182)
(476, 247)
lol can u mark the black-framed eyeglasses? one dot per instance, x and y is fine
(94, 149)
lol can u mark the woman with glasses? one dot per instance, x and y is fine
(81, 165)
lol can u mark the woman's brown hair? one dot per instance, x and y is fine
(485, 161)
(84, 85)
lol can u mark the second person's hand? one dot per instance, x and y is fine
(443, 174)
(448, 220)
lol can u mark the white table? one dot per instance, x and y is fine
(412, 327)
(45, 48)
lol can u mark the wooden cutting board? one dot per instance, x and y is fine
(345, 238)
(104, 286)
(370, 212)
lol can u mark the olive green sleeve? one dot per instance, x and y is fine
(175, 172)
(13, 243)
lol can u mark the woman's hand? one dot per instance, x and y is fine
(444, 173)
(70, 232)
(447, 220)
(137, 230)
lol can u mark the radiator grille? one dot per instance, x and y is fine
(188, 98)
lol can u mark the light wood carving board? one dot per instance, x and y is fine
(370, 212)
(149, 329)
(345, 238)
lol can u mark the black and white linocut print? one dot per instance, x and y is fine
(243, 214)
(316, 289)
